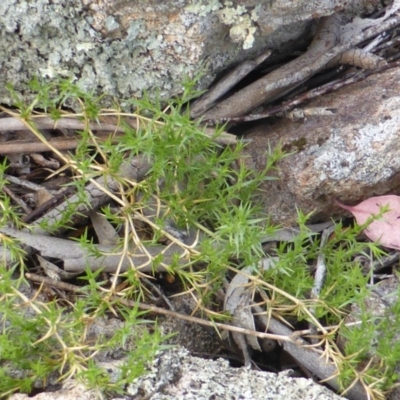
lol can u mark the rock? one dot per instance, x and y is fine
(350, 156)
(175, 375)
(123, 48)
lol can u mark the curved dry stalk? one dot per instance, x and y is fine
(44, 122)
(162, 311)
(37, 133)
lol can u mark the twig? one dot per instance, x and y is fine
(327, 88)
(155, 288)
(323, 49)
(17, 200)
(98, 192)
(385, 262)
(319, 276)
(306, 332)
(227, 82)
(52, 282)
(59, 143)
(23, 183)
(53, 202)
(161, 311)
(67, 122)
(15, 124)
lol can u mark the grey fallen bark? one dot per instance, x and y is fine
(309, 358)
(134, 169)
(76, 258)
(319, 276)
(105, 232)
(238, 299)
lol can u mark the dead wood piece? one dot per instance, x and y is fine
(301, 351)
(59, 143)
(358, 58)
(16, 124)
(106, 234)
(51, 202)
(237, 302)
(68, 143)
(23, 183)
(76, 258)
(53, 271)
(288, 76)
(17, 200)
(226, 83)
(285, 108)
(325, 47)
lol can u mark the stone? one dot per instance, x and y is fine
(350, 156)
(125, 48)
(175, 375)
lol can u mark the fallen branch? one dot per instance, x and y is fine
(289, 105)
(326, 45)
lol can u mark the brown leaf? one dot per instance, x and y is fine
(386, 228)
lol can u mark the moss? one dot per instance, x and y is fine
(295, 146)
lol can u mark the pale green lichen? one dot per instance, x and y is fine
(203, 9)
(243, 32)
(149, 51)
(230, 16)
(111, 23)
(240, 18)
(243, 28)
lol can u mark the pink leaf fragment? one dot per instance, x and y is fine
(385, 229)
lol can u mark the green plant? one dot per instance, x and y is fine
(54, 335)
(195, 185)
